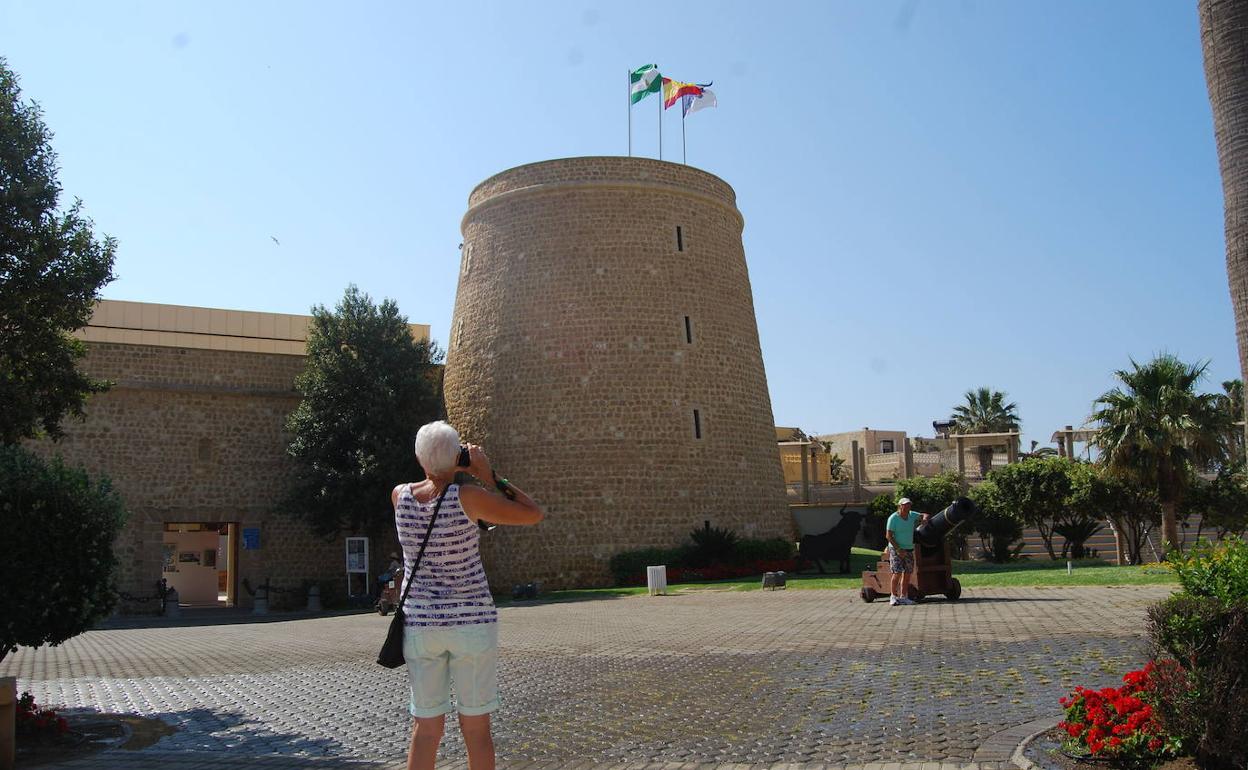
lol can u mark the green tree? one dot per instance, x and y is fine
(1000, 530)
(1037, 491)
(56, 557)
(367, 387)
(985, 411)
(1156, 429)
(1221, 503)
(1230, 404)
(51, 270)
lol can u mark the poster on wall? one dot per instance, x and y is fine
(169, 552)
(188, 557)
(210, 557)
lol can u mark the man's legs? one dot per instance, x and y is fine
(426, 735)
(478, 741)
(895, 585)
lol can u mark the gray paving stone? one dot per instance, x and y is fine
(803, 678)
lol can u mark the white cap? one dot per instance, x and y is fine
(904, 501)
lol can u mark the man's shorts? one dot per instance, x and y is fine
(438, 656)
(900, 561)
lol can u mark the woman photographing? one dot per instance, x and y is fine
(451, 632)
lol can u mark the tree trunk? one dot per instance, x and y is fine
(1170, 527)
(1224, 40)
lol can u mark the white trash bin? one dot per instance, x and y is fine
(656, 580)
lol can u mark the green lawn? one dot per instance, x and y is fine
(972, 574)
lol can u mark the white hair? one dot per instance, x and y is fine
(437, 447)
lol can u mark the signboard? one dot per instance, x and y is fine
(251, 538)
(358, 581)
(357, 554)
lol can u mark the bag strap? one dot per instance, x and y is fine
(423, 543)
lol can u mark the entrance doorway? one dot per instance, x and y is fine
(200, 561)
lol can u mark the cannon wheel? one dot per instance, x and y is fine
(383, 608)
(915, 594)
(868, 594)
(955, 590)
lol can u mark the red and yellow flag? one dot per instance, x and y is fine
(674, 89)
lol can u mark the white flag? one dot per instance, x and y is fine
(701, 101)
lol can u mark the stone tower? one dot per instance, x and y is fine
(604, 351)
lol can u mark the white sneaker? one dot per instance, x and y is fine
(893, 601)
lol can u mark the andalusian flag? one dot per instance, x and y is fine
(674, 89)
(646, 81)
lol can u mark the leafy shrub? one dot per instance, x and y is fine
(56, 556)
(1205, 629)
(1218, 570)
(712, 545)
(625, 565)
(751, 550)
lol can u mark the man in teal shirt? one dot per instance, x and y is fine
(900, 533)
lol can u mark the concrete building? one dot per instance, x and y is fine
(604, 349)
(192, 434)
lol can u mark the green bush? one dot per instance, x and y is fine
(712, 545)
(1218, 570)
(57, 564)
(1205, 629)
(626, 564)
(774, 549)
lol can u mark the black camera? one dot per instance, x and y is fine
(464, 460)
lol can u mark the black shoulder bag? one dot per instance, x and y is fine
(391, 655)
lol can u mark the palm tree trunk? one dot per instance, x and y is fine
(1169, 526)
(1224, 40)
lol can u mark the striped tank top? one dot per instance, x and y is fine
(450, 587)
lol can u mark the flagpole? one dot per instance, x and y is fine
(683, 157)
(660, 100)
(629, 101)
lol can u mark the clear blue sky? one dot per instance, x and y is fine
(938, 194)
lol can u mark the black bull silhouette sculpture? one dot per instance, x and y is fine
(832, 545)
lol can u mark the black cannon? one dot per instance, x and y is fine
(933, 563)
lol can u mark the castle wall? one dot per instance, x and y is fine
(572, 363)
(191, 435)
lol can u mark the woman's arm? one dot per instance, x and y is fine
(483, 505)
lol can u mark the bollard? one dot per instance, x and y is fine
(261, 604)
(172, 610)
(314, 598)
(656, 580)
(1070, 568)
(8, 722)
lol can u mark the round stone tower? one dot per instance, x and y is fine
(604, 351)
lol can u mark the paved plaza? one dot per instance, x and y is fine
(809, 678)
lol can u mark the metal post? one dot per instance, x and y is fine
(629, 101)
(683, 157)
(853, 450)
(660, 100)
(805, 476)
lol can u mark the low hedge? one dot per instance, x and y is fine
(749, 556)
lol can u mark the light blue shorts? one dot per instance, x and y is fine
(466, 655)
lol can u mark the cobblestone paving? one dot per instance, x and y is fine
(759, 678)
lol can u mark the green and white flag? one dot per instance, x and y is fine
(646, 81)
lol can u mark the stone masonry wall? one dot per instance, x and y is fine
(570, 361)
(192, 435)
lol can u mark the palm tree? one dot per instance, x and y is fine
(1224, 40)
(1231, 405)
(1043, 451)
(1156, 428)
(985, 411)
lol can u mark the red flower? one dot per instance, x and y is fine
(1155, 744)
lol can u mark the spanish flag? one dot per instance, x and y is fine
(674, 89)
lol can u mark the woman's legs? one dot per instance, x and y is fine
(478, 740)
(426, 735)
